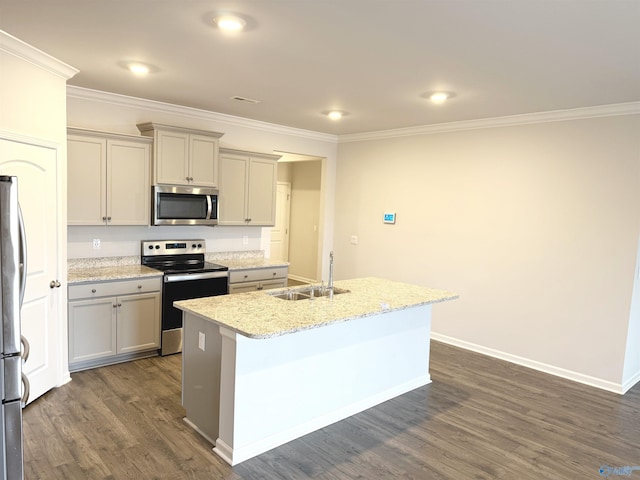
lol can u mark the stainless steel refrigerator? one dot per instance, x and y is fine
(12, 283)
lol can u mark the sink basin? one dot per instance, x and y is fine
(326, 293)
(291, 296)
(305, 293)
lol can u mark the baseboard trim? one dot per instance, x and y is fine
(539, 366)
(629, 384)
(298, 278)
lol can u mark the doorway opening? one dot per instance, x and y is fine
(297, 235)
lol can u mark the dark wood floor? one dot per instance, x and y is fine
(481, 418)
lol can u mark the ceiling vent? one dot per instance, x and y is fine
(245, 99)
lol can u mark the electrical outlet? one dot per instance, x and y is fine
(354, 239)
(245, 240)
(201, 339)
(96, 244)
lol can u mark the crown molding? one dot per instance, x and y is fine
(631, 108)
(155, 106)
(20, 49)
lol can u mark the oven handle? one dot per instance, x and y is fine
(181, 277)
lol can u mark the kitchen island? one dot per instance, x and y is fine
(259, 371)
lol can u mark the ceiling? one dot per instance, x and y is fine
(374, 59)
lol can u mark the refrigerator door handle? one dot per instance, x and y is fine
(26, 348)
(23, 256)
(25, 392)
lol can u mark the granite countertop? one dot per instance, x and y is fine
(260, 315)
(105, 273)
(100, 269)
(251, 263)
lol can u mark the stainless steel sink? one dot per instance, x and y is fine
(306, 293)
(291, 296)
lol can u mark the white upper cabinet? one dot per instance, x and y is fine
(247, 188)
(183, 156)
(108, 178)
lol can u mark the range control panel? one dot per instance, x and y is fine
(173, 247)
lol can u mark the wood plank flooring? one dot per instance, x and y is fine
(481, 418)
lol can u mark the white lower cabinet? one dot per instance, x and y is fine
(257, 279)
(115, 321)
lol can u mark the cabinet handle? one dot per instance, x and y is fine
(54, 284)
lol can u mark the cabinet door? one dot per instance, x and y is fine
(261, 192)
(244, 287)
(128, 185)
(92, 329)
(171, 158)
(231, 201)
(86, 167)
(277, 283)
(138, 322)
(203, 156)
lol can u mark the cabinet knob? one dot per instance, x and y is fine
(93, 290)
(114, 305)
(119, 304)
(108, 219)
(54, 284)
(139, 287)
(104, 219)
(274, 274)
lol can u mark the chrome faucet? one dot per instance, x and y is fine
(330, 285)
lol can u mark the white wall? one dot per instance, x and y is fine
(115, 113)
(536, 226)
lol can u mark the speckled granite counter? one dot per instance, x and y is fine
(260, 315)
(120, 268)
(100, 274)
(251, 263)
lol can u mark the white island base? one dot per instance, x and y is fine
(249, 395)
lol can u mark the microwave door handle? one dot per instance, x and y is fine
(23, 255)
(209, 207)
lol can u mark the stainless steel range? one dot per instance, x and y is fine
(186, 275)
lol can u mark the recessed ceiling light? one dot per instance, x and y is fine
(438, 96)
(138, 68)
(335, 114)
(230, 23)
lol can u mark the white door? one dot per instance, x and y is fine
(36, 168)
(280, 231)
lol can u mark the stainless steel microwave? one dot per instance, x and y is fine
(184, 205)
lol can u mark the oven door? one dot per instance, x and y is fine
(184, 286)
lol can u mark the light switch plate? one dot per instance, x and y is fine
(389, 218)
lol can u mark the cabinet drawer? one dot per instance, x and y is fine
(257, 274)
(112, 288)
